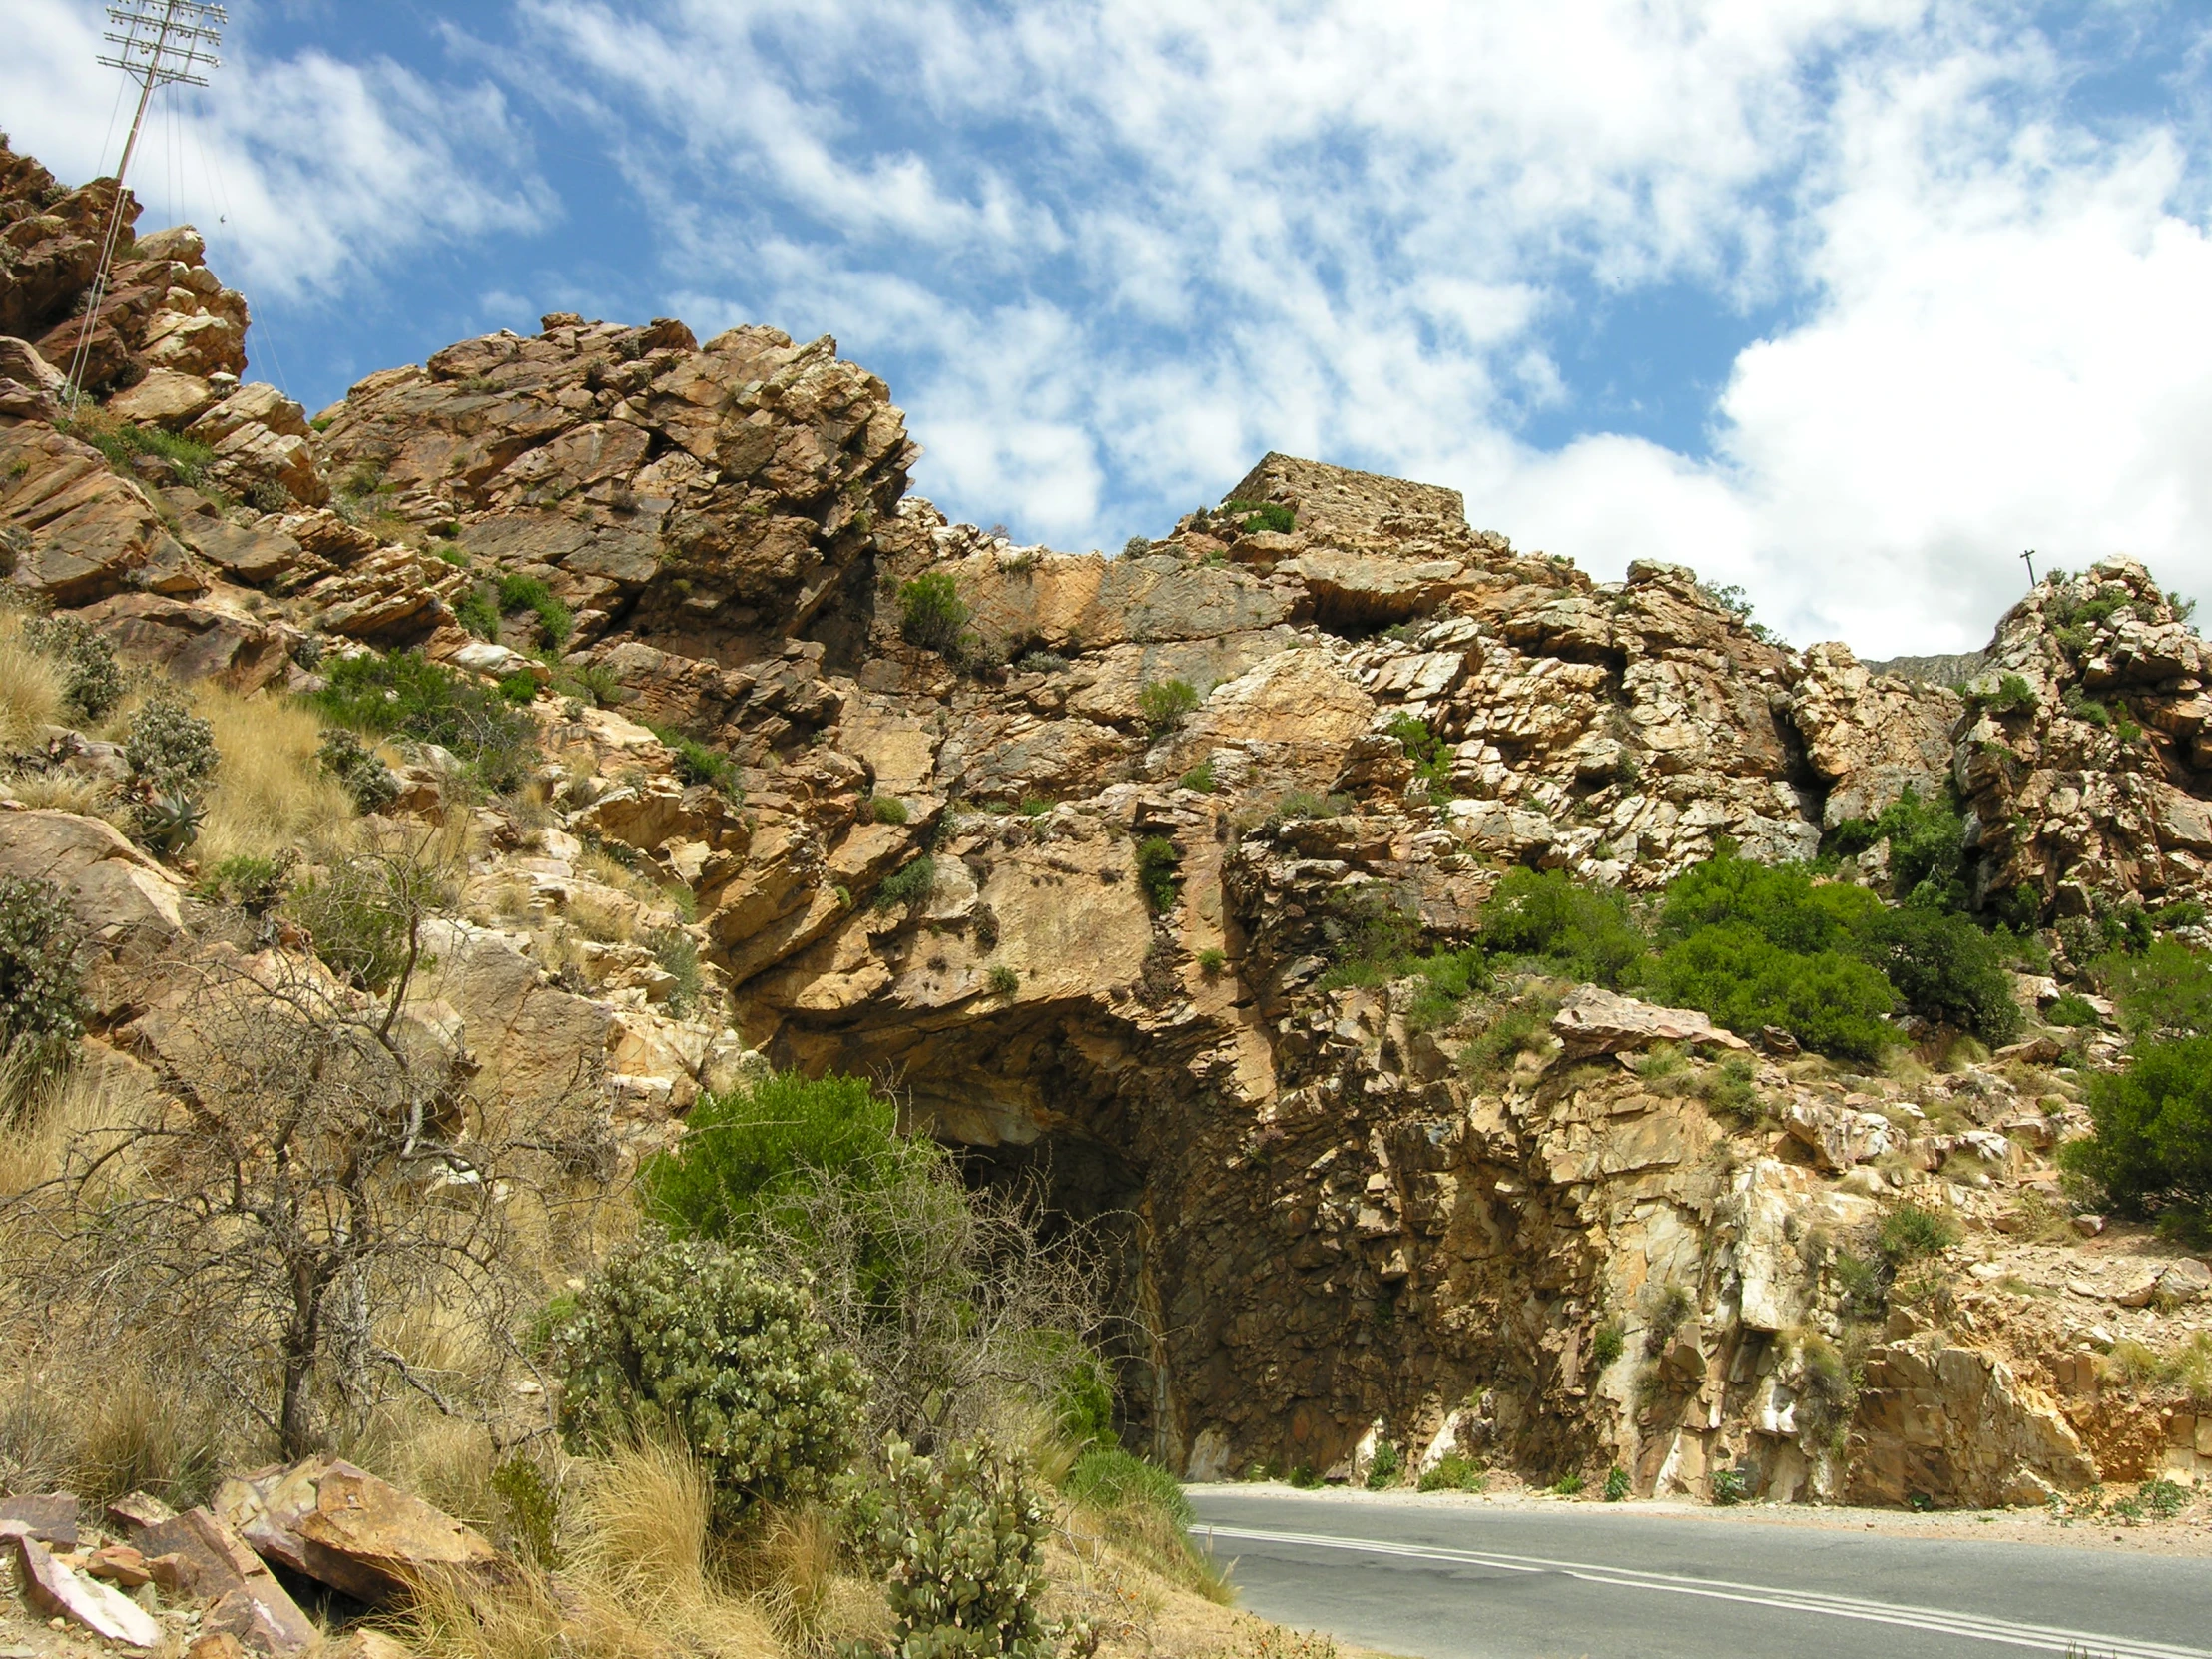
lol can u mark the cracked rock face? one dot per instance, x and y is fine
(1094, 944)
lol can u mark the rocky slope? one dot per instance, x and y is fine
(944, 869)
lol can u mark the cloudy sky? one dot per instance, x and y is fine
(1846, 301)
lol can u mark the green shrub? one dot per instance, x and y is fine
(1607, 1344)
(478, 610)
(1262, 515)
(1432, 757)
(1616, 1484)
(1305, 1479)
(169, 749)
(1165, 703)
(2167, 989)
(1568, 1485)
(1911, 1232)
(40, 991)
(696, 762)
(1731, 1487)
(530, 1504)
(1386, 1466)
(361, 914)
(1581, 932)
(1779, 902)
(1159, 870)
(2152, 1154)
(407, 694)
(1199, 778)
(526, 593)
(1946, 969)
(746, 1152)
(2013, 695)
(592, 683)
(1083, 1405)
(932, 612)
(253, 885)
(1108, 1477)
(885, 809)
(1305, 804)
(1448, 979)
(676, 953)
(688, 1337)
(122, 441)
(1516, 1031)
(359, 772)
(965, 1536)
(1830, 1002)
(92, 679)
(1451, 1473)
(1211, 962)
(1003, 980)
(1928, 850)
(2072, 1010)
(911, 885)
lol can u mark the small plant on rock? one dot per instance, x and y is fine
(1199, 778)
(1211, 962)
(688, 1336)
(1616, 1484)
(885, 809)
(1003, 980)
(911, 885)
(1165, 703)
(1911, 1232)
(932, 612)
(1730, 1486)
(1159, 870)
(1453, 1472)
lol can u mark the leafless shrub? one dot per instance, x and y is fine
(319, 1169)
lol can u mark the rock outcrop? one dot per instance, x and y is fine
(1088, 920)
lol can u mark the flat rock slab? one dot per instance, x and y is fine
(343, 1527)
(1594, 1020)
(53, 1587)
(196, 1554)
(50, 1518)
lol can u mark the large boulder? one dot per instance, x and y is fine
(1594, 1020)
(1957, 1428)
(342, 1527)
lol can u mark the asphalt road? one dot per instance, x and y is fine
(1455, 1580)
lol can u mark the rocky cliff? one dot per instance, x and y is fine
(1088, 931)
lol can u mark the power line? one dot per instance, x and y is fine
(162, 43)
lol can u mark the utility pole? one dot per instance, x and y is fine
(161, 42)
(2029, 556)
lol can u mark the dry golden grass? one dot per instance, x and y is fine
(602, 919)
(30, 685)
(271, 791)
(61, 792)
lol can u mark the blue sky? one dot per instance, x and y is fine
(1843, 300)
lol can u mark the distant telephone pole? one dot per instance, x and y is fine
(2029, 556)
(161, 42)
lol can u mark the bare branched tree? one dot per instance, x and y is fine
(318, 1167)
(955, 1303)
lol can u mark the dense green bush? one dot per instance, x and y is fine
(1262, 515)
(1199, 778)
(1159, 870)
(1926, 849)
(407, 694)
(526, 593)
(40, 991)
(1106, 1476)
(746, 1152)
(359, 772)
(1578, 930)
(1826, 1001)
(1946, 969)
(2152, 1154)
(1912, 1232)
(689, 1337)
(92, 679)
(932, 612)
(2166, 988)
(697, 762)
(964, 1537)
(1165, 703)
(911, 885)
(1453, 1472)
(887, 809)
(362, 913)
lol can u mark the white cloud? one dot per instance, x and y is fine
(312, 177)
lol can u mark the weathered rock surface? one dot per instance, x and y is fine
(196, 1554)
(342, 1527)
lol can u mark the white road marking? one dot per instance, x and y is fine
(2044, 1638)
